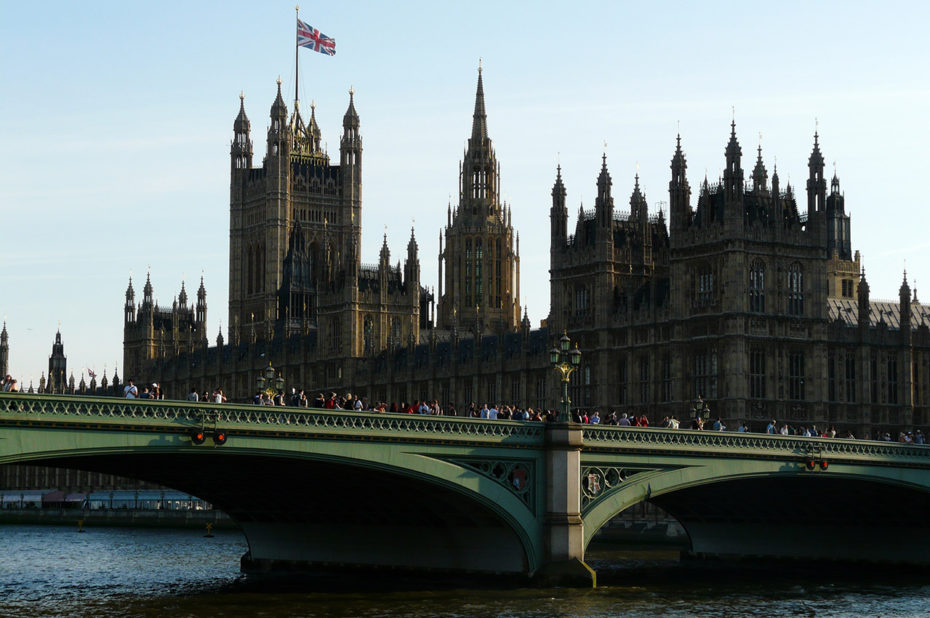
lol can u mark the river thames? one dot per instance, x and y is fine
(54, 571)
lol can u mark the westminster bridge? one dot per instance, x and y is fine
(323, 488)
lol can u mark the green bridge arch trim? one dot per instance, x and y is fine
(654, 483)
(447, 465)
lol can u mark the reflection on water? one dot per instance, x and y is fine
(123, 572)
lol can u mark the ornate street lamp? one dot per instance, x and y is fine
(565, 361)
(268, 383)
(697, 407)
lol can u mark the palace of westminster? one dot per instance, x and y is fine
(740, 297)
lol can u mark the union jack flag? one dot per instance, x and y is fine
(308, 36)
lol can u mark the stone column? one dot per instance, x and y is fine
(564, 528)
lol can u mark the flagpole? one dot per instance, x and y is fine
(296, 58)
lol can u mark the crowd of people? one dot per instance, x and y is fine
(9, 384)
(332, 401)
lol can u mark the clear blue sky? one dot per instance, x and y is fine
(116, 118)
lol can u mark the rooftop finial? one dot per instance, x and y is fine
(479, 64)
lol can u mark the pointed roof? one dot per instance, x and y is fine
(603, 179)
(479, 126)
(201, 291)
(759, 173)
(905, 289)
(816, 158)
(637, 195)
(182, 297)
(351, 116)
(678, 159)
(130, 293)
(242, 124)
(279, 107)
(412, 245)
(147, 290)
(3, 333)
(733, 147)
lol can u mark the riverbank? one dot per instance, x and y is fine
(119, 518)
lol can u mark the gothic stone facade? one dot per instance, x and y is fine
(741, 298)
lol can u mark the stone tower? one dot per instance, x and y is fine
(4, 352)
(152, 332)
(479, 268)
(57, 367)
(295, 226)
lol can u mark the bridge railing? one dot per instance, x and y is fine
(182, 416)
(749, 444)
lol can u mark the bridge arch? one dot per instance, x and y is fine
(776, 508)
(364, 502)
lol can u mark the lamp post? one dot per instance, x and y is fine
(697, 407)
(269, 384)
(565, 361)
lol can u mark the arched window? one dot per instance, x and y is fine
(795, 290)
(757, 287)
(467, 276)
(369, 335)
(479, 259)
(705, 286)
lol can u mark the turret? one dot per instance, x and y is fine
(904, 297)
(182, 297)
(412, 267)
(129, 309)
(816, 183)
(733, 175)
(558, 214)
(200, 314)
(759, 175)
(604, 203)
(277, 132)
(4, 352)
(148, 300)
(679, 191)
(864, 305)
(57, 366)
(240, 151)
(384, 260)
(639, 210)
(480, 174)
(775, 183)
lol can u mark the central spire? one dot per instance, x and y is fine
(479, 127)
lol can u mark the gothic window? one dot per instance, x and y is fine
(796, 375)
(757, 373)
(334, 335)
(621, 381)
(873, 375)
(666, 394)
(705, 286)
(498, 295)
(479, 259)
(644, 380)
(795, 290)
(250, 270)
(369, 335)
(831, 376)
(892, 378)
(395, 331)
(468, 272)
(850, 376)
(705, 374)
(757, 287)
(582, 301)
(541, 392)
(516, 397)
